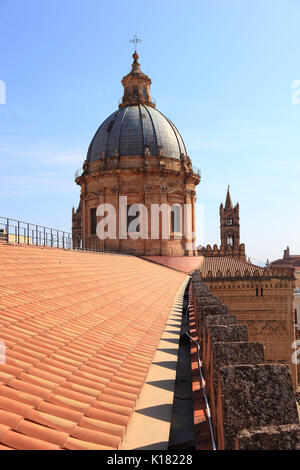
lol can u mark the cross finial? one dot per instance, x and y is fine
(135, 41)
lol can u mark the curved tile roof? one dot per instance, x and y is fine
(132, 128)
(207, 264)
(80, 331)
(226, 263)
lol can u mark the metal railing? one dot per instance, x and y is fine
(203, 383)
(26, 233)
(17, 231)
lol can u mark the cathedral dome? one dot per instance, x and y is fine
(136, 129)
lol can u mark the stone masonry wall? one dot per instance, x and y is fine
(252, 402)
(266, 307)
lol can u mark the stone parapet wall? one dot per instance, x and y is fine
(223, 250)
(262, 300)
(252, 402)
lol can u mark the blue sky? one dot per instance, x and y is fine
(221, 71)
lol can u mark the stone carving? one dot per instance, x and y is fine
(146, 151)
(161, 152)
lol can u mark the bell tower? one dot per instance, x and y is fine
(230, 223)
(230, 233)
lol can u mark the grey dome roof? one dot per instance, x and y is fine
(132, 128)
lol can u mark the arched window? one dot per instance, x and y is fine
(230, 240)
(144, 92)
(127, 93)
(135, 92)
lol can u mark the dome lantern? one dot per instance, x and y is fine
(136, 86)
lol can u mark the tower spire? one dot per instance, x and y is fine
(228, 203)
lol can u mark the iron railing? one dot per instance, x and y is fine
(17, 231)
(26, 233)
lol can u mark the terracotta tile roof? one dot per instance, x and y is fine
(206, 265)
(80, 331)
(224, 264)
(186, 264)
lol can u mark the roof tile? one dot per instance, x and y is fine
(76, 444)
(96, 437)
(42, 432)
(22, 442)
(10, 419)
(104, 426)
(52, 421)
(3, 430)
(15, 406)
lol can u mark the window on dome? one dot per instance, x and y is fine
(144, 92)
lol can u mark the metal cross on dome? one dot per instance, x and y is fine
(135, 41)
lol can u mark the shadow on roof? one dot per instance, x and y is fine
(171, 340)
(168, 351)
(172, 365)
(160, 412)
(163, 384)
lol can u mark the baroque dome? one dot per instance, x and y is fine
(137, 128)
(134, 130)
